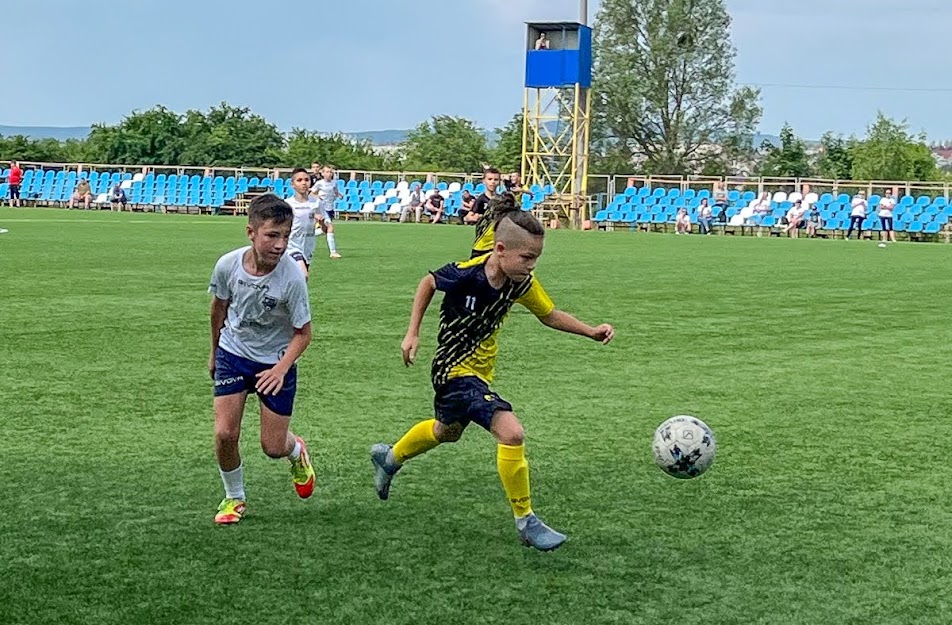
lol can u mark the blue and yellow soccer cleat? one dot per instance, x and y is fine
(302, 473)
(539, 535)
(230, 511)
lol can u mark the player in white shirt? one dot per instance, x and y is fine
(261, 324)
(857, 215)
(886, 206)
(326, 192)
(303, 228)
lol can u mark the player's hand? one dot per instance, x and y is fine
(409, 348)
(270, 381)
(603, 333)
(211, 365)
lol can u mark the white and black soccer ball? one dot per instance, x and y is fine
(684, 447)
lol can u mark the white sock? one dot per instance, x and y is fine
(522, 521)
(331, 244)
(234, 482)
(296, 452)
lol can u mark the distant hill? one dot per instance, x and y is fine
(59, 133)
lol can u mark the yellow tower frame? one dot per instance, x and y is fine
(556, 133)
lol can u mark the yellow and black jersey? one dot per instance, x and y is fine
(471, 315)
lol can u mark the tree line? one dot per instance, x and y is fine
(665, 101)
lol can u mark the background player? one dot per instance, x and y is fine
(491, 182)
(303, 237)
(478, 295)
(485, 228)
(261, 324)
(327, 194)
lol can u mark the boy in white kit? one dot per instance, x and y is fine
(261, 324)
(306, 211)
(326, 192)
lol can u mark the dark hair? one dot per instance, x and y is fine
(299, 170)
(526, 221)
(502, 205)
(269, 207)
(491, 170)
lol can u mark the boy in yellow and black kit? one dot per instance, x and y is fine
(478, 295)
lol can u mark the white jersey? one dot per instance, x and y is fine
(263, 311)
(302, 227)
(326, 192)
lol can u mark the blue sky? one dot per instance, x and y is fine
(383, 64)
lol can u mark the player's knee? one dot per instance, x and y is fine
(514, 436)
(447, 434)
(227, 435)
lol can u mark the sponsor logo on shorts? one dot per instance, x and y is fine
(230, 381)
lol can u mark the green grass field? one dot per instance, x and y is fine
(822, 366)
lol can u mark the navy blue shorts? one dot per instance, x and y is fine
(886, 224)
(467, 399)
(234, 374)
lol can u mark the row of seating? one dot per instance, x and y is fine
(640, 206)
(214, 192)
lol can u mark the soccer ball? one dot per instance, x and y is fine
(684, 447)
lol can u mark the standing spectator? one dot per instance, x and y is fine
(117, 196)
(434, 208)
(468, 202)
(315, 173)
(542, 43)
(415, 205)
(15, 179)
(81, 193)
(886, 207)
(794, 219)
(682, 224)
(813, 221)
(857, 215)
(704, 217)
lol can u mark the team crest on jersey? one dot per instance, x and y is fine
(269, 302)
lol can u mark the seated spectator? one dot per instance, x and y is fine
(682, 224)
(794, 219)
(81, 193)
(434, 208)
(415, 204)
(468, 202)
(704, 217)
(542, 43)
(814, 222)
(117, 196)
(720, 203)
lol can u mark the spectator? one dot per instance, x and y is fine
(316, 174)
(117, 196)
(795, 219)
(542, 43)
(15, 179)
(720, 203)
(415, 204)
(704, 217)
(682, 224)
(81, 193)
(468, 202)
(886, 206)
(434, 208)
(814, 222)
(857, 215)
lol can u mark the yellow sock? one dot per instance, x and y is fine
(418, 440)
(514, 473)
